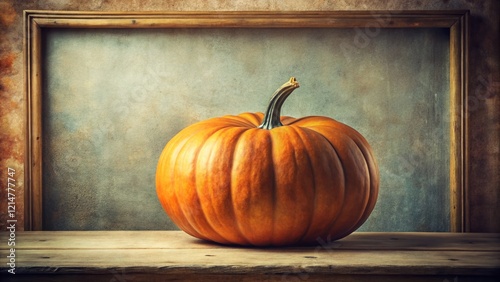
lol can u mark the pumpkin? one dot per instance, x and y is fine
(264, 180)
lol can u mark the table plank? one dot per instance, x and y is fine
(248, 277)
(181, 240)
(148, 254)
(239, 261)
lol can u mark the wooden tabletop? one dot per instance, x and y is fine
(174, 255)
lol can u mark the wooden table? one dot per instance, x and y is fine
(173, 255)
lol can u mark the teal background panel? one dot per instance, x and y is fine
(112, 98)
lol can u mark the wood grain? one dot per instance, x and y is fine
(315, 19)
(411, 241)
(459, 125)
(174, 254)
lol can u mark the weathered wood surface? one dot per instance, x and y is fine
(160, 255)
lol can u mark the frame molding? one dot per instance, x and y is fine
(456, 22)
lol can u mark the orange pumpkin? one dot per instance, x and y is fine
(266, 180)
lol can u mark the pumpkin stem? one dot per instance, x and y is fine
(272, 114)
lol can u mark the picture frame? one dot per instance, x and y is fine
(35, 22)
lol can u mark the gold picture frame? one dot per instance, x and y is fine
(455, 21)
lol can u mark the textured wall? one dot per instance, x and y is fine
(484, 84)
(105, 125)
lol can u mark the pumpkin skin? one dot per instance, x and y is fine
(300, 181)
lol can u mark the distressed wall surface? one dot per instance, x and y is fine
(115, 97)
(483, 100)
